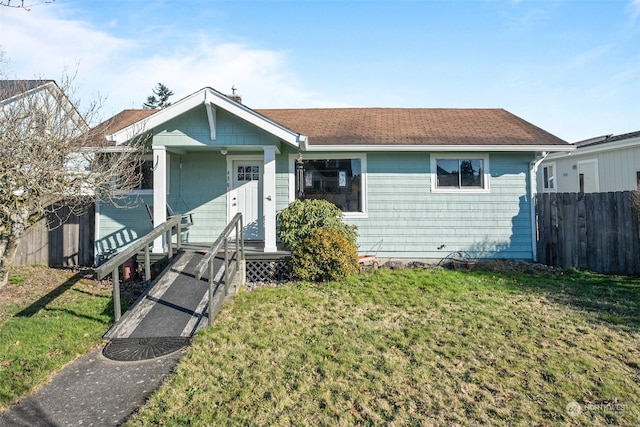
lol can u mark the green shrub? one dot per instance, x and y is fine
(301, 217)
(322, 246)
(324, 254)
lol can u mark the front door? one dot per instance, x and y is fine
(246, 196)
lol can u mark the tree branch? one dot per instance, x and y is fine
(19, 4)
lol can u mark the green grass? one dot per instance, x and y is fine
(47, 319)
(415, 347)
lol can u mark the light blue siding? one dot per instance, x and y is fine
(119, 226)
(406, 220)
(198, 185)
(191, 129)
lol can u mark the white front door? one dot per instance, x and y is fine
(246, 196)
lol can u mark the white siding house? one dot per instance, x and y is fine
(603, 164)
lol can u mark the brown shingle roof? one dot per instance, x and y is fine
(411, 126)
(390, 126)
(118, 122)
(124, 119)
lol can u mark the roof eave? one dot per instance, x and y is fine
(599, 148)
(460, 148)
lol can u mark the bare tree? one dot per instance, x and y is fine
(49, 158)
(20, 4)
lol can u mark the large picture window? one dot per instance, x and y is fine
(460, 174)
(338, 180)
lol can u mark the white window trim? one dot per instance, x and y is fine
(330, 156)
(457, 156)
(149, 191)
(555, 178)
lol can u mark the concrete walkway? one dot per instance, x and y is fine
(97, 391)
(92, 391)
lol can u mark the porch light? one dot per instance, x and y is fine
(299, 177)
(224, 151)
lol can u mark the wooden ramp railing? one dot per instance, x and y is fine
(232, 264)
(113, 264)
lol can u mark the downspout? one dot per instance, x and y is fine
(533, 187)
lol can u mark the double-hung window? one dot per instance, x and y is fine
(459, 173)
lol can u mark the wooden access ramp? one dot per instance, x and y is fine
(168, 313)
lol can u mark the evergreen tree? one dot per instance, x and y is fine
(159, 99)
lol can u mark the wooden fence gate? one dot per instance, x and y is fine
(50, 242)
(594, 231)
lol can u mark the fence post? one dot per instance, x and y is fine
(582, 232)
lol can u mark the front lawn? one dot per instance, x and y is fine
(417, 347)
(48, 317)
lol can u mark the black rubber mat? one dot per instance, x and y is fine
(134, 349)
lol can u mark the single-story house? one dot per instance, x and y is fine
(419, 183)
(603, 164)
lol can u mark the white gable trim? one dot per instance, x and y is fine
(599, 148)
(52, 88)
(212, 99)
(211, 116)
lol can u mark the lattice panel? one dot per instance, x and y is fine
(269, 271)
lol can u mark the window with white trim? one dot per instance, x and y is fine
(549, 178)
(460, 173)
(337, 178)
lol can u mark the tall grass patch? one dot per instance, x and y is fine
(417, 347)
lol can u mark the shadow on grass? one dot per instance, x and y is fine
(47, 299)
(614, 300)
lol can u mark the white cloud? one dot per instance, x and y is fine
(262, 76)
(634, 6)
(44, 42)
(40, 43)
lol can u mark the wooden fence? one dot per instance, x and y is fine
(67, 244)
(597, 231)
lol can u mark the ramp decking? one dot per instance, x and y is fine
(165, 318)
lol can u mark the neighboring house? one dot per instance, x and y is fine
(418, 183)
(603, 164)
(38, 92)
(42, 104)
(12, 90)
